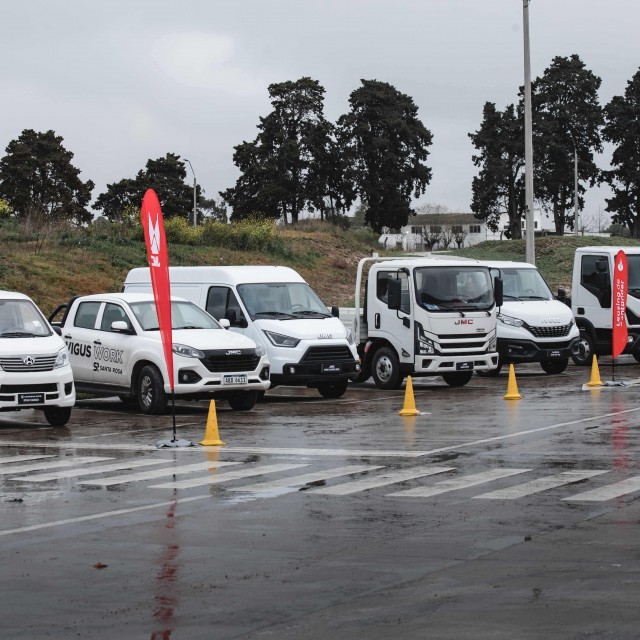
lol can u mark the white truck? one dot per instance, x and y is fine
(424, 317)
(34, 362)
(533, 325)
(116, 349)
(274, 306)
(591, 295)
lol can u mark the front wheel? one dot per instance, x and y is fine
(583, 351)
(57, 416)
(150, 394)
(243, 400)
(458, 379)
(385, 369)
(554, 366)
(333, 389)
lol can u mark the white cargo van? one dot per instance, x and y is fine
(34, 362)
(274, 306)
(533, 326)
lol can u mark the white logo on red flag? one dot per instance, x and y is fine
(619, 333)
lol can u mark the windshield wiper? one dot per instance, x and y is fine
(274, 314)
(187, 326)
(506, 295)
(312, 314)
(17, 334)
(533, 298)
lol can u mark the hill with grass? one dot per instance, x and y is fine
(53, 264)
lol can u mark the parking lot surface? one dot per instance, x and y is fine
(479, 518)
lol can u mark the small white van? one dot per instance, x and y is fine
(274, 306)
(35, 372)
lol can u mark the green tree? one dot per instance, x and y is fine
(499, 187)
(622, 128)
(386, 145)
(166, 176)
(39, 182)
(565, 111)
(285, 170)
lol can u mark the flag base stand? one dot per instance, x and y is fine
(174, 442)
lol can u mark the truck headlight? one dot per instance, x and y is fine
(282, 341)
(426, 346)
(187, 352)
(350, 339)
(512, 322)
(62, 359)
(260, 351)
(492, 344)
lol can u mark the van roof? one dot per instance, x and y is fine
(608, 250)
(221, 275)
(508, 264)
(13, 295)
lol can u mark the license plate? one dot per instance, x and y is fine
(241, 379)
(331, 368)
(554, 354)
(464, 366)
(31, 398)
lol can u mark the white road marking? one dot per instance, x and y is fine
(156, 473)
(390, 477)
(300, 481)
(609, 492)
(539, 485)
(226, 477)
(40, 466)
(26, 458)
(103, 468)
(458, 483)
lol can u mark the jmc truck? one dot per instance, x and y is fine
(424, 317)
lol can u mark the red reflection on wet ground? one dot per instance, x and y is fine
(620, 436)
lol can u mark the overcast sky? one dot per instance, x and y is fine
(123, 81)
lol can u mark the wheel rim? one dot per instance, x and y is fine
(146, 391)
(384, 368)
(583, 349)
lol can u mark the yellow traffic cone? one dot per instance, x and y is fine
(409, 408)
(512, 386)
(211, 435)
(595, 374)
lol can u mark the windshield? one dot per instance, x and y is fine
(282, 300)
(523, 284)
(454, 288)
(633, 261)
(22, 319)
(184, 315)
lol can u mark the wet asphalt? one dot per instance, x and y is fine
(479, 518)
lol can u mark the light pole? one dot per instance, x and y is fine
(195, 210)
(530, 253)
(575, 185)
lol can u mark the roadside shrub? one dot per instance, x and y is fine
(178, 230)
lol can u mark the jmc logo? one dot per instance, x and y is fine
(464, 321)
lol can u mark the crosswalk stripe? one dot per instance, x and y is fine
(39, 466)
(300, 481)
(539, 485)
(616, 490)
(156, 473)
(25, 458)
(382, 480)
(458, 483)
(226, 477)
(104, 468)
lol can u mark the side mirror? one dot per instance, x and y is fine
(57, 329)
(120, 326)
(335, 312)
(224, 323)
(498, 291)
(394, 293)
(232, 317)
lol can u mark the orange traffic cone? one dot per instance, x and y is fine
(409, 408)
(595, 375)
(211, 435)
(512, 386)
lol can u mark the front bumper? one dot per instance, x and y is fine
(516, 351)
(37, 390)
(437, 365)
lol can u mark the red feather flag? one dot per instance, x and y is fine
(156, 241)
(620, 286)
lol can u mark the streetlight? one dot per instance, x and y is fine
(195, 211)
(530, 254)
(575, 184)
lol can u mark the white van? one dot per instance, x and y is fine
(34, 362)
(533, 326)
(274, 306)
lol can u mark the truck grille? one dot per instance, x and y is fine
(17, 364)
(550, 332)
(220, 361)
(325, 354)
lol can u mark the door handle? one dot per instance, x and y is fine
(377, 320)
(67, 335)
(97, 342)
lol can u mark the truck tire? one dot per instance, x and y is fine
(334, 389)
(152, 400)
(385, 369)
(583, 351)
(458, 379)
(554, 366)
(243, 400)
(57, 416)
